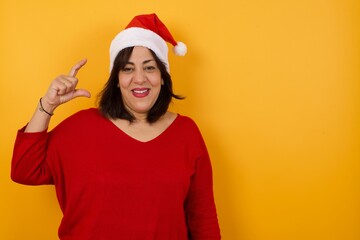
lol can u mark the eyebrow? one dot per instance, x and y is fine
(144, 62)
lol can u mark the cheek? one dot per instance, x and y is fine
(156, 80)
(124, 82)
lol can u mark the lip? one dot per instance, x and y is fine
(140, 92)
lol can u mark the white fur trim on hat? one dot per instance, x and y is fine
(135, 36)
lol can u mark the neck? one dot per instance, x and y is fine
(140, 117)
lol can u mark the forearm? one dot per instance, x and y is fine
(41, 117)
(28, 164)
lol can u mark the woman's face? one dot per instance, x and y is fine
(140, 82)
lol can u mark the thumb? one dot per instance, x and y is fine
(81, 93)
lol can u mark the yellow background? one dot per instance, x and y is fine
(273, 85)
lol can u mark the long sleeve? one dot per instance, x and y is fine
(200, 206)
(29, 164)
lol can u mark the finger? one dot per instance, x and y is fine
(61, 89)
(74, 94)
(81, 93)
(70, 82)
(74, 70)
(64, 84)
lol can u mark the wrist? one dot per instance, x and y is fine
(46, 108)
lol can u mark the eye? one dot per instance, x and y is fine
(150, 68)
(127, 69)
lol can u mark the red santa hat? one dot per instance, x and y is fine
(146, 31)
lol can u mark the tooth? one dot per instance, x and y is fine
(140, 91)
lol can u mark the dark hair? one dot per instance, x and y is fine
(110, 99)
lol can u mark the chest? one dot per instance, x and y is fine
(125, 167)
(143, 131)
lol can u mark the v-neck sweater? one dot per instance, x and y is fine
(112, 186)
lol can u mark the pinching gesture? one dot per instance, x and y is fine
(63, 89)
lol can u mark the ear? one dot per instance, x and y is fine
(162, 81)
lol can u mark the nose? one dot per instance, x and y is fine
(139, 76)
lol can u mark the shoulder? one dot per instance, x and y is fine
(81, 119)
(188, 132)
(187, 126)
(84, 115)
(186, 121)
(90, 112)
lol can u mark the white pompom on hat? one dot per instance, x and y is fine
(147, 31)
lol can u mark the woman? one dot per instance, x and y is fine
(129, 169)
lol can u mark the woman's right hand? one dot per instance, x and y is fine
(63, 89)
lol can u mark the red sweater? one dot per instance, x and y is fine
(111, 186)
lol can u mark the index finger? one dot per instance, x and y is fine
(74, 70)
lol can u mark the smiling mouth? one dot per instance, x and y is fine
(143, 92)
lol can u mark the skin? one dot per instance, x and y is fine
(140, 83)
(61, 90)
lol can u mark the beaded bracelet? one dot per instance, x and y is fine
(41, 108)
